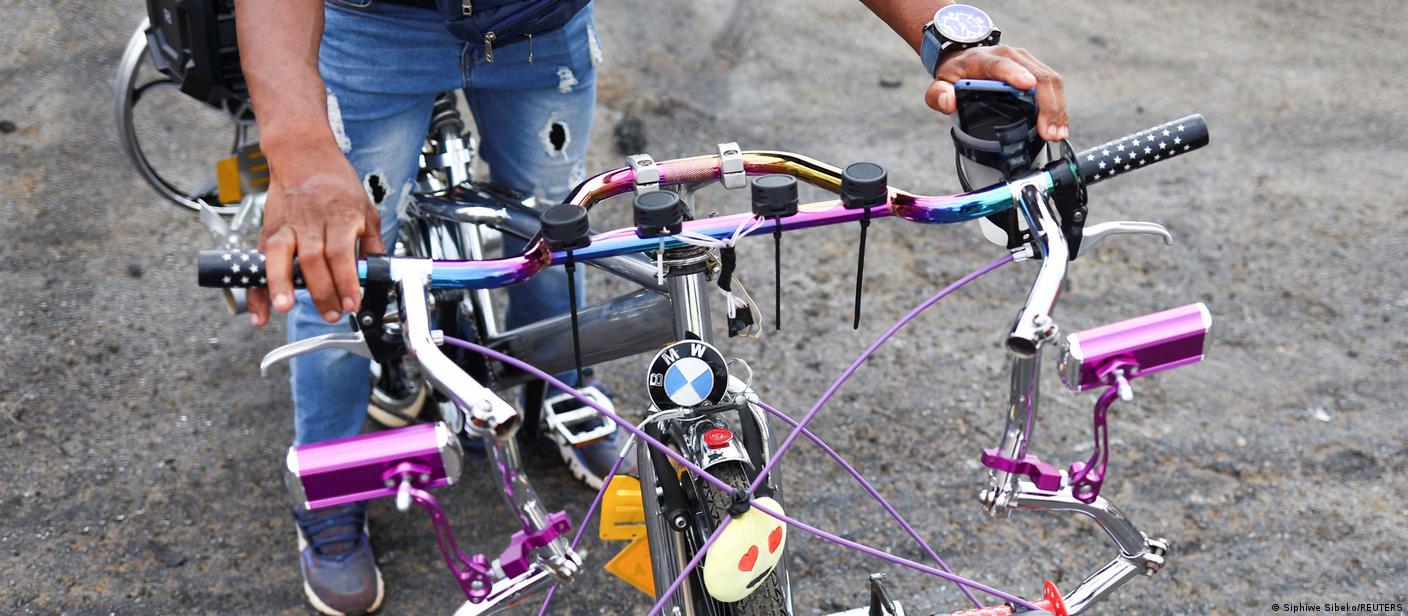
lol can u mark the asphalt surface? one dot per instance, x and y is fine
(140, 449)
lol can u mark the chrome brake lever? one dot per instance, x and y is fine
(1094, 233)
(351, 342)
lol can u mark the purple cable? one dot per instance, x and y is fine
(787, 443)
(628, 426)
(875, 494)
(874, 346)
(895, 559)
(586, 521)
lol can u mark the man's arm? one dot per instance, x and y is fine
(1013, 65)
(316, 207)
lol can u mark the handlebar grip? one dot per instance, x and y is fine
(235, 269)
(1143, 148)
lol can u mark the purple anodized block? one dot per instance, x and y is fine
(358, 468)
(1141, 346)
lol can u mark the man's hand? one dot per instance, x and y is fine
(1013, 65)
(318, 212)
(316, 207)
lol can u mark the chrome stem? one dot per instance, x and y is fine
(485, 409)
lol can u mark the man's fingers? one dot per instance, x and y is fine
(371, 243)
(1052, 121)
(258, 302)
(278, 267)
(317, 276)
(341, 251)
(986, 63)
(940, 97)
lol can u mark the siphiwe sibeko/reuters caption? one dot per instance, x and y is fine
(1339, 608)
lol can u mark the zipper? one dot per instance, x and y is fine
(467, 6)
(512, 21)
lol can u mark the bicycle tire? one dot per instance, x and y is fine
(767, 599)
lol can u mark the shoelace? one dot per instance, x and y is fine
(315, 528)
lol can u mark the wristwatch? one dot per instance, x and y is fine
(955, 27)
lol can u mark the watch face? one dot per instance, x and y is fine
(961, 23)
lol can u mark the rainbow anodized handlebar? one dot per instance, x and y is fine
(493, 273)
(1090, 166)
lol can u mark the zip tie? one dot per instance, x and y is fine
(660, 263)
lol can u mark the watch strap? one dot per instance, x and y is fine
(930, 50)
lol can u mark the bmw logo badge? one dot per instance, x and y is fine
(687, 374)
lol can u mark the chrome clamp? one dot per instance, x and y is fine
(731, 173)
(645, 174)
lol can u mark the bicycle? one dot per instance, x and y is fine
(727, 479)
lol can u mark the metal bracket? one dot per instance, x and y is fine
(645, 174)
(731, 173)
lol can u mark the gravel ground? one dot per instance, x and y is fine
(139, 448)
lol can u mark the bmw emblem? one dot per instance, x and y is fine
(686, 374)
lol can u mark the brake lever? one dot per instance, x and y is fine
(1094, 233)
(351, 342)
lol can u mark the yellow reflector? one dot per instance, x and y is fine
(227, 177)
(622, 515)
(633, 566)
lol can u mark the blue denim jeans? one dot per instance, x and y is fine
(383, 64)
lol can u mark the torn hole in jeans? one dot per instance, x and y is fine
(566, 80)
(555, 137)
(339, 133)
(376, 188)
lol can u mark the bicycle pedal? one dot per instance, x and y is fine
(356, 469)
(564, 423)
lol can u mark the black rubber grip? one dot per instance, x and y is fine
(235, 269)
(1142, 149)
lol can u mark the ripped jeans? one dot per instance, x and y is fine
(383, 64)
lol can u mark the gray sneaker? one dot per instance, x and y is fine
(335, 555)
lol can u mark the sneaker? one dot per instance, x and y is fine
(594, 443)
(340, 575)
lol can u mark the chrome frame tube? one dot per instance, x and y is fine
(507, 467)
(690, 306)
(1130, 541)
(1138, 553)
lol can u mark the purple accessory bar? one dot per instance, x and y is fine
(356, 468)
(1142, 346)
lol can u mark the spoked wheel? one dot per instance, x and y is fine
(188, 180)
(767, 598)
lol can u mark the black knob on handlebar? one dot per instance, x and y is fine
(774, 196)
(565, 227)
(863, 185)
(658, 214)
